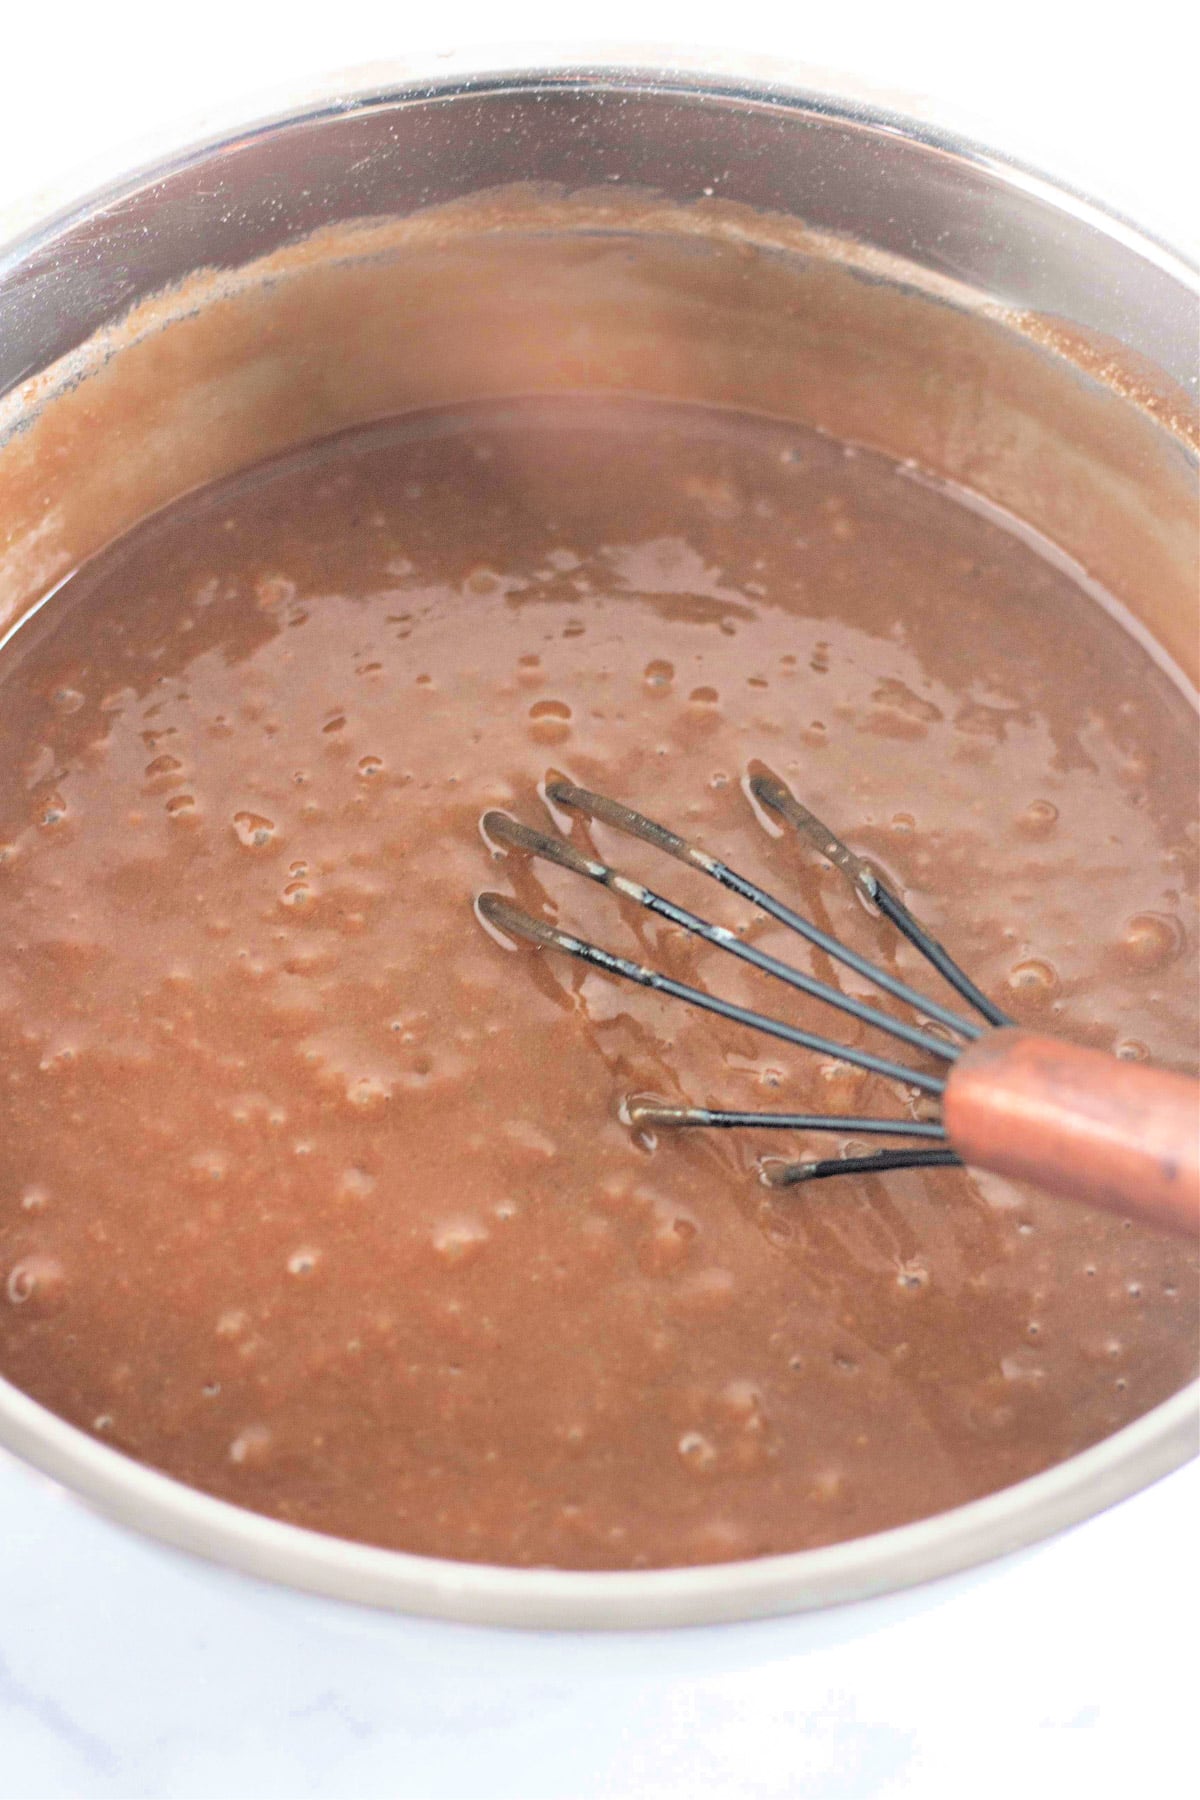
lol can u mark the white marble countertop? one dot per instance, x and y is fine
(129, 1671)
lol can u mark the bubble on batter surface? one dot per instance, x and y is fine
(254, 831)
(459, 1240)
(38, 1281)
(532, 1140)
(698, 1452)
(1151, 940)
(367, 1092)
(483, 581)
(718, 497)
(828, 1485)
(1038, 819)
(550, 721)
(252, 1447)
(912, 1277)
(273, 591)
(52, 811)
(668, 1242)
(1033, 977)
(166, 764)
(355, 1183)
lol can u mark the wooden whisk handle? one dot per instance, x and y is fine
(1079, 1123)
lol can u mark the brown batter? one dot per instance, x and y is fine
(314, 1196)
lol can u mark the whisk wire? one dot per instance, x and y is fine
(645, 1113)
(774, 794)
(502, 829)
(770, 792)
(623, 818)
(506, 917)
(791, 1174)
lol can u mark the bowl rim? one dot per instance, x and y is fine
(135, 1495)
(782, 83)
(138, 1496)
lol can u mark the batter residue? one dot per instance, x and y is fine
(316, 1197)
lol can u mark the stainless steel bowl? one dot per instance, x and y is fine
(961, 221)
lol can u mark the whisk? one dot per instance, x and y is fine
(1075, 1121)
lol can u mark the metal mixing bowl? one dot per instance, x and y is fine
(945, 207)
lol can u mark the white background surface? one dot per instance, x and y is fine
(128, 1672)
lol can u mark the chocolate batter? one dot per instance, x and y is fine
(316, 1197)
